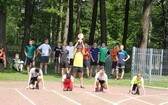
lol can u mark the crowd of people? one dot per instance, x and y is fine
(72, 60)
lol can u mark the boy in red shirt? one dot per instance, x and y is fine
(3, 57)
(86, 59)
(67, 81)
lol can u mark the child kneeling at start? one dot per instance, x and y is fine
(67, 81)
(101, 81)
(137, 82)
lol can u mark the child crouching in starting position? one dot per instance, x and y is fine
(67, 81)
(137, 82)
(101, 81)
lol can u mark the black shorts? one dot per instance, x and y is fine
(32, 80)
(71, 61)
(86, 63)
(114, 65)
(64, 64)
(28, 61)
(78, 69)
(44, 59)
(94, 63)
(101, 82)
(134, 87)
(101, 63)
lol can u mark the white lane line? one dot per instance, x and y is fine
(164, 103)
(129, 98)
(135, 98)
(25, 97)
(75, 102)
(100, 98)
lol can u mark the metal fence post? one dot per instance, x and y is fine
(161, 63)
(133, 62)
(150, 64)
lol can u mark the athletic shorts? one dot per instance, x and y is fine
(101, 82)
(44, 59)
(33, 79)
(71, 61)
(78, 69)
(94, 63)
(120, 65)
(86, 63)
(134, 87)
(114, 65)
(28, 61)
(101, 63)
(64, 64)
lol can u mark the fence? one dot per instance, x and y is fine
(151, 63)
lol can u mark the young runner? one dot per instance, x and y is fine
(101, 81)
(137, 82)
(67, 80)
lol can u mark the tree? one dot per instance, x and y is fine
(66, 26)
(29, 7)
(124, 40)
(93, 23)
(3, 23)
(103, 21)
(78, 17)
(70, 30)
(145, 22)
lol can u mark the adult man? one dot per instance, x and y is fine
(3, 57)
(122, 58)
(30, 55)
(70, 48)
(45, 53)
(56, 56)
(137, 82)
(64, 60)
(101, 81)
(35, 76)
(113, 53)
(94, 54)
(103, 55)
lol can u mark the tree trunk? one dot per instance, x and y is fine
(103, 21)
(3, 29)
(78, 18)
(60, 23)
(93, 24)
(145, 23)
(28, 19)
(66, 27)
(70, 30)
(125, 35)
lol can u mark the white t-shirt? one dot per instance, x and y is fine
(103, 77)
(34, 74)
(45, 49)
(70, 49)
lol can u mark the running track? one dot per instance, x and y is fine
(15, 93)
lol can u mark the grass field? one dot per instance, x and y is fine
(12, 75)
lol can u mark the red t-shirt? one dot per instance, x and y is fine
(86, 53)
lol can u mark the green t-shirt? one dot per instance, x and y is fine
(30, 51)
(103, 53)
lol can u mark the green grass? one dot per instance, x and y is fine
(11, 75)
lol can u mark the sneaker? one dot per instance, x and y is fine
(101, 89)
(96, 89)
(111, 76)
(65, 89)
(82, 87)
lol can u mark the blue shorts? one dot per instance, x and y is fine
(120, 65)
(44, 59)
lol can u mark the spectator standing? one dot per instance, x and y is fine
(45, 51)
(86, 59)
(70, 48)
(3, 57)
(56, 56)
